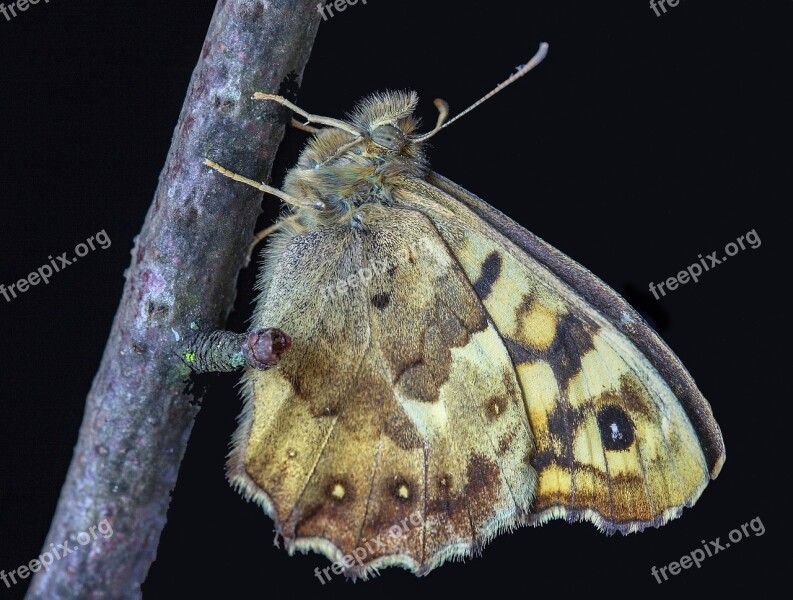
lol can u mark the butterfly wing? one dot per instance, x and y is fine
(394, 431)
(623, 436)
(452, 376)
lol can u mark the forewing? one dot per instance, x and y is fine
(623, 437)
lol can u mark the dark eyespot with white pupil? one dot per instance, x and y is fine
(616, 428)
(388, 137)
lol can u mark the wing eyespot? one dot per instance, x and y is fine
(616, 428)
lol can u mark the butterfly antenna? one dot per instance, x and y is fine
(444, 108)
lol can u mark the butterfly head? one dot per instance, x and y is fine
(381, 128)
(386, 120)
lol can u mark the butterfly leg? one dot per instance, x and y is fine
(259, 236)
(304, 127)
(308, 116)
(316, 205)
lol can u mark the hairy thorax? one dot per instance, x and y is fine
(355, 175)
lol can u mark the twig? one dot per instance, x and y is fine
(224, 351)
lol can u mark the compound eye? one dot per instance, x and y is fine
(388, 137)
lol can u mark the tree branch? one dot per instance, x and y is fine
(138, 416)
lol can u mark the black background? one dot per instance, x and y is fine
(640, 143)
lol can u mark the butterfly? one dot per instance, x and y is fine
(451, 375)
